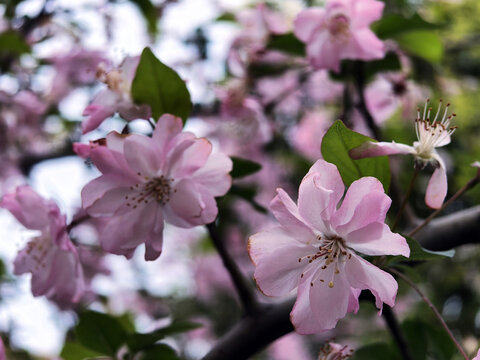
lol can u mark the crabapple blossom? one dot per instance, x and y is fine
(117, 98)
(430, 135)
(51, 257)
(315, 248)
(340, 31)
(172, 176)
(334, 351)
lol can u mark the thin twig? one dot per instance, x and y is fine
(76, 222)
(396, 332)
(247, 297)
(434, 309)
(470, 184)
(405, 199)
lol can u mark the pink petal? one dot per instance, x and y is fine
(113, 164)
(319, 193)
(437, 187)
(353, 304)
(130, 111)
(307, 22)
(286, 212)
(97, 114)
(167, 127)
(366, 12)
(29, 208)
(363, 275)
(365, 202)
(370, 149)
(154, 243)
(324, 52)
(140, 155)
(185, 160)
(108, 204)
(377, 239)
(214, 174)
(477, 357)
(365, 45)
(96, 188)
(275, 253)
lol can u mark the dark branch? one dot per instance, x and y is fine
(447, 232)
(244, 289)
(396, 332)
(252, 334)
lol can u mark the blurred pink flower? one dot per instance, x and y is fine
(477, 357)
(314, 248)
(283, 91)
(50, 257)
(334, 351)
(117, 98)
(307, 136)
(430, 135)
(173, 176)
(340, 31)
(321, 88)
(288, 347)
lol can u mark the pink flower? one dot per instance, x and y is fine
(430, 135)
(477, 357)
(340, 31)
(117, 98)
(314, 248)
(334, 351)
(172, 176)
(50, 257)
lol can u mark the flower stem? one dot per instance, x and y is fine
(470, 184)
(405, 199)
(244, 289)
(396, 332)
(434, 309)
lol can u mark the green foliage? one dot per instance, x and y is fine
(12, 43)
(159, 352)
(243, 167)
(425, 44)
(99, 332)
(394, 24)
(376, 351)
(418, 253)
(336, 144)
(149, 13)
(75, 351)
(287, 43)
(247, 193)
(160, 87)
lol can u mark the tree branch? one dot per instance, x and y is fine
(252, 334)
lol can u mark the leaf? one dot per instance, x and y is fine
(149, 13)
(336, 144)
(376, 351)
(159, 86)
(425, 44)
(243, 167)
(12, 43)
(159, 352)
(227, 16)
(287, 43)
(75, 351)
(418, 253)
(416, 338)
(247, 193)
(137, 342)
(394, 24)
(100, 332)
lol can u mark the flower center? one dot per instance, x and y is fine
(331, 253)
(157, 189)
(334, 352)
(339, 27)
(37, 249)
(432, 134)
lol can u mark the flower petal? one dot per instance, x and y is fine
(371, 149)
(307, 22)
(363, 275)
(214, 174)
(437, 186)
(276, 254)
(140, 155)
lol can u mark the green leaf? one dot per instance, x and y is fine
(137, 342)
(336, 144)
(159, 352)
(376, 351)
(149, 13)
(227, 16)
(75, 351)
(416, 338)
(100, 332)
(424, 44)
(243, 167)
(287, 43)
(160, 87)
(418, 253)
(394, 24)
(247, 193)
(12, 43)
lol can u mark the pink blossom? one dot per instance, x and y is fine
(477, 357)
(291, 346)
(283, 91)
(340, 31)
(315, 248)
(50, 257)
(172, 176)
(117, 98)
(430, 135)
(321, 88)
(334, 351)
